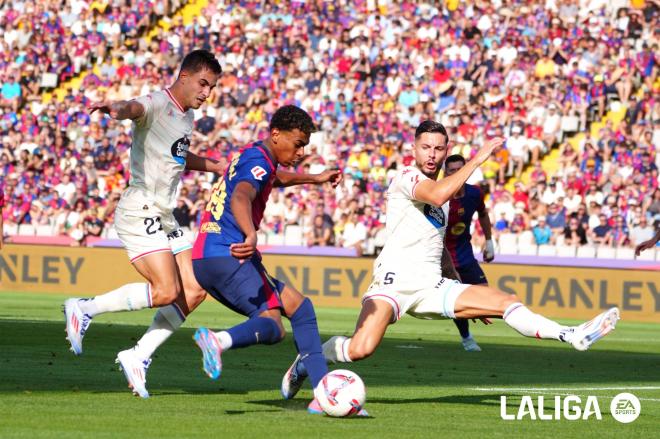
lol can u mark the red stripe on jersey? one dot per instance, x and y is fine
(270, 162)
(272, 298)
(174, 100)
(200, 241)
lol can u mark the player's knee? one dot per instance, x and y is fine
(164, 294)
(195, 295)
(506, 300)
(360, 349)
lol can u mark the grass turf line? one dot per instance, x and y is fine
(419, 383)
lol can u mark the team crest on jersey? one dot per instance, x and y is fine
(435, 215)
(180, 150)
(258, 173)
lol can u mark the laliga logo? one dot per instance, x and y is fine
(570, 409)
(625, 408)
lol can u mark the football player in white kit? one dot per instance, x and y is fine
(408, 278)
(157, 247)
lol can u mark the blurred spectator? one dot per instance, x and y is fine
(367, 72)
(542, 232)
(574, 233)
(641, 232)
(601, 233)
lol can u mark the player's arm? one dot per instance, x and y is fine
(439, 192)
(640, 248)
(195, 162)
(486, 226)
(447, 265)
(241, 207)
(286, 178)
(119, 110)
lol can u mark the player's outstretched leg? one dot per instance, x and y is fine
(309, 361)
(469, 343)
(79, 312)
(480, 301)
(257, 330)
(375, 316)
(168, 319)
(163, 288)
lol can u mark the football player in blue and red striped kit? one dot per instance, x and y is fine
(468, 200)
(229, 267)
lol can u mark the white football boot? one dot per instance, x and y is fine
(135, 371)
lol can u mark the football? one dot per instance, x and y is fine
(341, 393)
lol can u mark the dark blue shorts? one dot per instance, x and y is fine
(472, 274)
(245, 288)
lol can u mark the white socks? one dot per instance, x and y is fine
(166, 321)
(336, 349)
(225, 340)
(529, 324)
(129, 297)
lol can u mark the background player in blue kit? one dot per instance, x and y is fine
(468, 200)
(225, 257)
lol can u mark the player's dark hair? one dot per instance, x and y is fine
(290, 117)
(200, 59)
(430, 126)
(454, 158)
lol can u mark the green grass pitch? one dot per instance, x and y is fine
(420, 382)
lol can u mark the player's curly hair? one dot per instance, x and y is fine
(290, 117)
(200, 59)
(431, 126)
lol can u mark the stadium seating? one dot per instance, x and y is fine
(366, 115)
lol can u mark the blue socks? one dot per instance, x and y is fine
(463, 326)
(257, 330)
(308, 342)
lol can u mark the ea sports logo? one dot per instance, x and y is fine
(625, 407)
(180, 150)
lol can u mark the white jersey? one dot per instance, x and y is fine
(415, 232)
(161, 137)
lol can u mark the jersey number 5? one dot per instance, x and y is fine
(389, 278)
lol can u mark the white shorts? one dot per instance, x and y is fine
(143, 236)
(433, 300)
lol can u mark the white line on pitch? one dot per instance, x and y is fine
(524, 389)
(562, 394)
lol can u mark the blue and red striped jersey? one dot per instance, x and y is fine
(218, 228)
(458, 237)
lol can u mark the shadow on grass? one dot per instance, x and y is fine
(35, 358)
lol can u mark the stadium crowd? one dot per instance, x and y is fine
(367, 71)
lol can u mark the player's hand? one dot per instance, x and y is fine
(484, 320)
(332, 176)
(104, 107)
(489, 251)
(644, 246)
(246, 249)
(488, 148)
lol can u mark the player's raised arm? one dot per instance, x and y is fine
(119, 110)
(286, 178)
(439, 192)
(195, 162)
